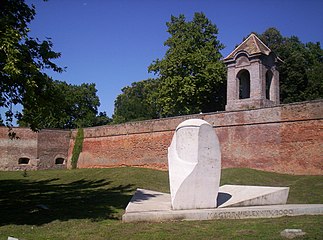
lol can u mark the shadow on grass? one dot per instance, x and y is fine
(39, 202)
(141, 196)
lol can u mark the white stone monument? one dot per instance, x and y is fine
(194, 161)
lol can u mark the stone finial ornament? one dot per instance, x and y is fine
(194, 161)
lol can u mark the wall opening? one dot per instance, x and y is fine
(244, 84)
(269, 77)
(23, 160)
(59, 161)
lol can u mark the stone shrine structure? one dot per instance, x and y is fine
(252, 78)
(194, 163)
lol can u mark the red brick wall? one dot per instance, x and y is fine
(286, 139)
(13, 149)
(52, 144)
(41, 148)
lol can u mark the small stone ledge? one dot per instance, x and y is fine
(271, 211)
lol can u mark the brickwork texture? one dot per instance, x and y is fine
(47, 149)
(284, 139)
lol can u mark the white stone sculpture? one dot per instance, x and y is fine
(194, 161)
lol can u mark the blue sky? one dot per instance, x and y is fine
(112, 42)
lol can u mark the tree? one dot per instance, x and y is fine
(191, 74)
(84, 107)
(136, 102)
(101, 119)
(272, 38)
(301, 73)
(70, 106)
(22, 61)
(314, 89)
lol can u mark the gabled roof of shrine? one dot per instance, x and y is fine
(252, 45)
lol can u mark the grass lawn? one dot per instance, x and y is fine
(89, 203)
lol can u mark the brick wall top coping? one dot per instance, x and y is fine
(302, 111)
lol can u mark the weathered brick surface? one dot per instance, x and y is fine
(13, 149)
(41, 148)
(146, 149)
(52, 144)
(286, 139)
(289, 147)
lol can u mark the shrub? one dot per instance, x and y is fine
(77, 147)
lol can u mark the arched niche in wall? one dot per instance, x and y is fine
(243, 78)
(269, 78)
(23, 161)
(59, 161)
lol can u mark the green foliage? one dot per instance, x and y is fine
(67, 106)
(22, 61)
(80, 105)
(136, 102)
(78, 144)
(301, 73)
(191, 74)
(101, 119)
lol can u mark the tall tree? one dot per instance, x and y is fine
(22, 61)
(102, 119)
(136, 102)
(70, 106)
(191, 74)
(301, 74)
(314, 89)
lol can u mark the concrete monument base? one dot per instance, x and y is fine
(151, 206)
(245, 196)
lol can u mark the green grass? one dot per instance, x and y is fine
(89, 203)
